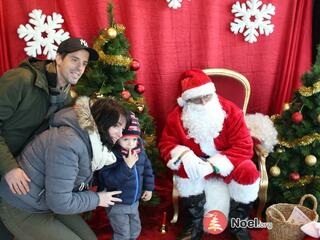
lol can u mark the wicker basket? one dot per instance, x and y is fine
(278, 215)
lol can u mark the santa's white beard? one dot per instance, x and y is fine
(204, 123)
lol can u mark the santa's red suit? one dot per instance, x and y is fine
(230, 152)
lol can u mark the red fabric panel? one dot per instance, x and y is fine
(167, 42)
(295, 52)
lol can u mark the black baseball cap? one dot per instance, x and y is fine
(75, 44)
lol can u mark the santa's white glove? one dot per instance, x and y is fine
(204, 169)
(194, 166)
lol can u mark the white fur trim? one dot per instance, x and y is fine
(101, 155)
(202, 90)
(174, 162)
(181, 102)
(187, 187)
(222, 163)
(244, 193)
(217, 196)
(262, 128)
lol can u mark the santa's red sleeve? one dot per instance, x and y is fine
(172, 142)
(168, 138)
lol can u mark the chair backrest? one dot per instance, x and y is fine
(231, 85)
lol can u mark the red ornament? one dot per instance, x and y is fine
(295, 176)
(297, 117)
(139, 88)
(135, 65)
(125, 94)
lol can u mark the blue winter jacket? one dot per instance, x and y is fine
(131, 182)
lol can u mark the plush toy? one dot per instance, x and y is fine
(262, 129)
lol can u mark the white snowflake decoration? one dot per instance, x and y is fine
(175, 3)
(249, 20)
(45, 33)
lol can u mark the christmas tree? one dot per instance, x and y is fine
(294, 166)
(114, 75)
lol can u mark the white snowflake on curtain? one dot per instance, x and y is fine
(46, 33)
(249, 20)
(174, 3)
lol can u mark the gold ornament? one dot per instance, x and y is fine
(140, 108)
(310, 160)
(275, 171)
(280, 150)
(112, 33)
(286, 106)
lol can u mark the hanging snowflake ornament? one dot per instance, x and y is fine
(44, 36)
(174, 3)
(249, 20)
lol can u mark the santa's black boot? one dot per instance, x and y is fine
(193, 229)
(239, 211)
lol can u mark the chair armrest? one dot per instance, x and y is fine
(175, 200)
(260, 151)
(262, 155)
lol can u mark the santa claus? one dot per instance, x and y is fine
(206, 143)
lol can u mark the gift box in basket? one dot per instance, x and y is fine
(287, 219)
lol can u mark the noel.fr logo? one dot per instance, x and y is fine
(215, 222)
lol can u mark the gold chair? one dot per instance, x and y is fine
(226, 81)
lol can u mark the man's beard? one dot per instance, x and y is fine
(204, 123)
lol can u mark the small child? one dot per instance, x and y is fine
(131, 173)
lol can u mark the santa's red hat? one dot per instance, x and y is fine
(195, 83)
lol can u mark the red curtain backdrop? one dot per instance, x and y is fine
(167, 42)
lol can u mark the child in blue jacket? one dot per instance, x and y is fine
(132, 174)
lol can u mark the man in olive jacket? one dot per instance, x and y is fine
(29, 94)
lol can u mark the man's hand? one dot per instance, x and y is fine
(146, 196)
(18, 181)
(106, 199)
(131, 159)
